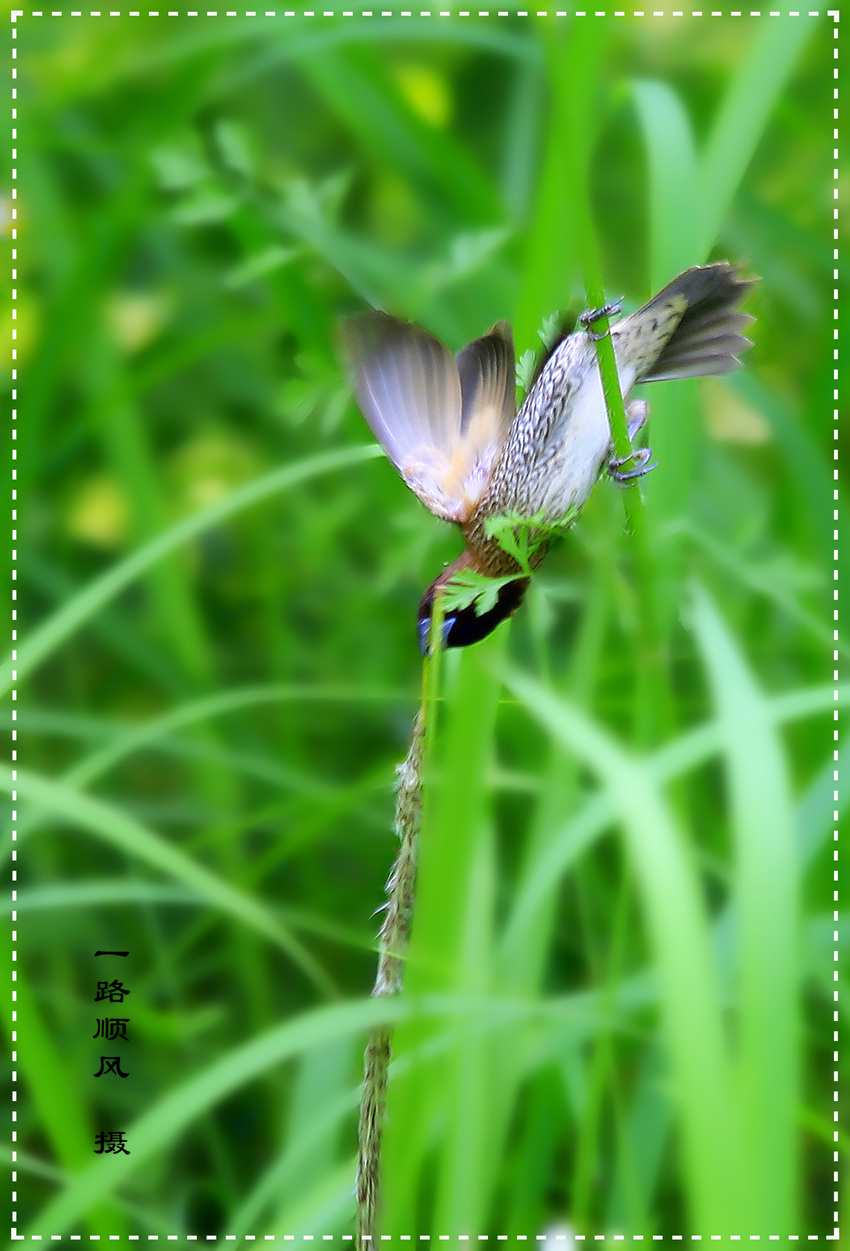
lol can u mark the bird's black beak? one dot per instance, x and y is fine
(423, 629)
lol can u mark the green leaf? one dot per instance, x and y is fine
(768, 925)
(525, 368)
(523, 537)
(467, 587)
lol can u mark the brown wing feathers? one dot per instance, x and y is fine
(441, 420)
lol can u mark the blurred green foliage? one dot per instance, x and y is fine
(628, 900)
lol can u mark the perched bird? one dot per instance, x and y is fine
(449, 423)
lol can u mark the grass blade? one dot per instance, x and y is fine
(52, 633)
(140, 843)
(673, 193)
(766, 894)
(678, 928)
(760, 79)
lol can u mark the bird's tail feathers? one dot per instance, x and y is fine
(707, 340)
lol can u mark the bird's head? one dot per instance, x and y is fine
(462, 626)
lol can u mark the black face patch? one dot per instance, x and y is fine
(464, 626)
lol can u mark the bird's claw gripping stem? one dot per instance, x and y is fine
(591, 315)
(637, 414)
(639, 456)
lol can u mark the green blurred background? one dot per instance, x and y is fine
(627, 889)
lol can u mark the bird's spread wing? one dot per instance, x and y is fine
(442, 421)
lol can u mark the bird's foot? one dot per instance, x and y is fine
(591, 315)
(638, 458)
(637, 414)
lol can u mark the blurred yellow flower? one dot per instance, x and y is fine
(208, 467)
(99, 513)
(426, 92)
(136, 318)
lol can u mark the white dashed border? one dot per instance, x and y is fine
(16, 14)
(833, 13)
(835, 309)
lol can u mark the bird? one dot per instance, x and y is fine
(449, 423)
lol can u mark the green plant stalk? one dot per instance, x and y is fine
(395, 935)
(449, 954)
(573, 87)
(576, 129)
(632, 502)
(579, 129)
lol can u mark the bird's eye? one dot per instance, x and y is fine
(464, 626)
